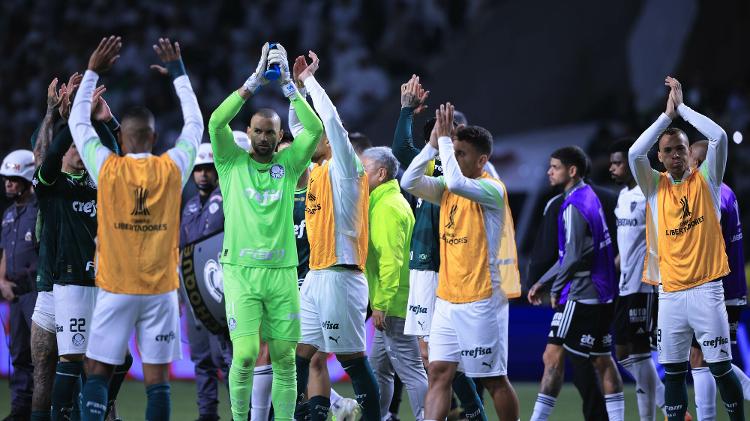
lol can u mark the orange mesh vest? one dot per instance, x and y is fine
(139, 225)
(464, 275)
(510, 277)
(321, 223)
(689, 242)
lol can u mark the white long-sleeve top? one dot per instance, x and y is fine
(345, 171)
(94, 153)
(489, 194)
(648, 178)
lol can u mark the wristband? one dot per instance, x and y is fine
(113, 125)
(289, 89)
(176, 68)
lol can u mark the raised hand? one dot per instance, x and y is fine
(73, 81)
(434, 137)
(257, 79)
(299, 65)
(170, 56)
(53, 95)
(444, 120)
(105, 54)
(100, 110)
(311, 68)
(70, 90)
(277, 56)
(675, 92)
(422, 95)
(413, 95)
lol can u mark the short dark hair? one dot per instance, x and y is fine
(266, 113)
(138, 113)
(429, 125)
(573, 156)
(671, 131)
(360, 142)
(477, 136)
(621, 145)
(460, 118)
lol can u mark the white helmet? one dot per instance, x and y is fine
(19, 163)
(205, 155)
(241, 139)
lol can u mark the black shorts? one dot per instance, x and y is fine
(582, 329)
(635, 320)
(733, 314)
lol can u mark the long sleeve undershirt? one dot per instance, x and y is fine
(575, 267)
(94, 153)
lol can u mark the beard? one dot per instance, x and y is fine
(205, 187)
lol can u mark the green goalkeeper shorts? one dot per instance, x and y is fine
(256, 296)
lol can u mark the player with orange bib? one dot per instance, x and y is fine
(138, 203)
(685, 254)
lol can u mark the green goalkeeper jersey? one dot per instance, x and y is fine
(259, 197)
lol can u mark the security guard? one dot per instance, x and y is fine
(18, 273)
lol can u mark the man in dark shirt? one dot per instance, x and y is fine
(424, 251)
(584, 274)
(18, 273)
(203, 215)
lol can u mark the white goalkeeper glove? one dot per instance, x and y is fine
(278, 56)
(257, 79)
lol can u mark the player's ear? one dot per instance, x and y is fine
(572, 171)
(482, 160)
(280, 134)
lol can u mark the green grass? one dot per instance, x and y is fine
(132, 401)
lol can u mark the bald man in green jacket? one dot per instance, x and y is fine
(387, 272)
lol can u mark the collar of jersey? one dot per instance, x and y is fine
(75, 176)
(139, 155)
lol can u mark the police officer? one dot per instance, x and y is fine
(202, 216)
(18, 273)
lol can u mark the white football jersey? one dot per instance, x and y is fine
(631, 240)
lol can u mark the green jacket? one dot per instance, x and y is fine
(387, 267)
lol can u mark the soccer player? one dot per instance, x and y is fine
(583, 287)
(138, 207)
(334, 294)
(344, 409)
(686, 256)
(424, 255)
(259, 256)
(67, 202)
(387, 271)
(202, 216)
(43, 341)
(18, 273)
(735, 294)
(472, 214)
(635, 308)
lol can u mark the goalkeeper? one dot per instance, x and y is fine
(259, 255)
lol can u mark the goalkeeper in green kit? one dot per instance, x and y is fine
(259, 255)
